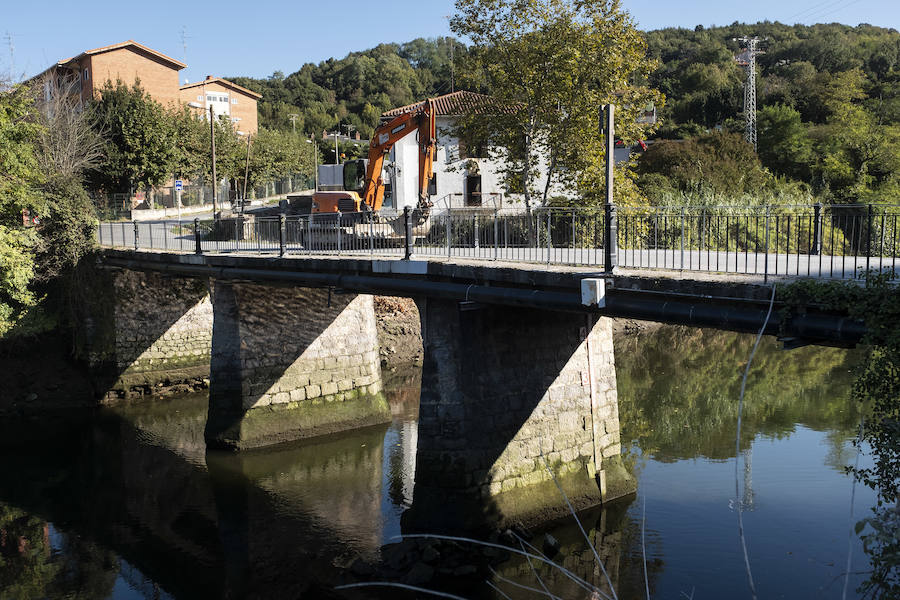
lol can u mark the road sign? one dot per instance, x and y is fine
(179, 185)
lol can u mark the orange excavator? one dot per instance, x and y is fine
(420, 120)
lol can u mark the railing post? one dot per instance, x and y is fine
(549, 237)
(136, 235)
(198, 249)
(816, 247)
(407, 226)
(371, 233)
(475, 231)
(766, 262)
(868, 238)
(282, 222)
(496, 235)
(610, 238)
(337, 230)
(681, 266)
(449, 229)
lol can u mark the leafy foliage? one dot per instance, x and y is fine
(20, 178)
(877, 388)
(356, 89)
(140, 143)
(549, 65)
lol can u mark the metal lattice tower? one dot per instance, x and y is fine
(747, 59)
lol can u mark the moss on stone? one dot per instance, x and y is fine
(296, 420)
(619, 482)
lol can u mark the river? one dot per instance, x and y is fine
(127, 503)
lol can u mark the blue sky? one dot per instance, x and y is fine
(224, 39)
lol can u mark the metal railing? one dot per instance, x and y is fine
(841, 241)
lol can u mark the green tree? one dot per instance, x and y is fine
(784, 144)
(549, 65)
(140, 147)
(19, 180)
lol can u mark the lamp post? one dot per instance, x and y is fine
(212, 142)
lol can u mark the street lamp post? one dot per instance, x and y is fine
(212, 142)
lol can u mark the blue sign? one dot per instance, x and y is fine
(179, 185)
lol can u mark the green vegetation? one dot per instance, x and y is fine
(876, 390)
(678, 390)
(829, 104)
(355, 90)
(547, 66)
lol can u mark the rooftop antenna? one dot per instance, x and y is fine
(747, 59)
(184, 38)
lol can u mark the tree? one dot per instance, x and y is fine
(70, 140)
(140, 148)
(784, 144)
(19, 179)
(549, 65)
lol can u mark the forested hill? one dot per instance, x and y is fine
(704, 85)
(356, 89)
(697, 73)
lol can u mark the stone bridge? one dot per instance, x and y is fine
(518, 375)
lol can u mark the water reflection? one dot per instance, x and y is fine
(133, 506)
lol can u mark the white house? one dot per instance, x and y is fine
(463, 178)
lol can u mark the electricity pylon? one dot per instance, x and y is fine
(747, 59)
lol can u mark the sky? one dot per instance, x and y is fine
(258, 37)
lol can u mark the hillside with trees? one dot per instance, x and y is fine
(828, 94)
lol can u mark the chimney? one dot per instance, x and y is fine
(208, 77)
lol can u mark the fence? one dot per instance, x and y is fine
(112, 206)
(839, 241)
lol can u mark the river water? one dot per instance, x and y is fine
(127, 503)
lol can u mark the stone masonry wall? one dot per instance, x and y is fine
(163, 329)
(291, 362)
(504, 386)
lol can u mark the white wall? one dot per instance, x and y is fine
(451, 172)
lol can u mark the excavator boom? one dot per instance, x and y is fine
(420, 120)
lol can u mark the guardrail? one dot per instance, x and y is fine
(842, 241)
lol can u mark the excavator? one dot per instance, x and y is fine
(420, 121)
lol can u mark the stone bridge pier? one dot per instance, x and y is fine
(283, 363)
(290, 363)
(507, 392)
(146, 329)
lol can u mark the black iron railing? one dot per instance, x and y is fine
(840, 241)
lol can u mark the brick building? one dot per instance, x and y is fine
(86, 74)
(226, 99)
(129, 61)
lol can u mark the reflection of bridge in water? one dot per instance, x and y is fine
(273, 523)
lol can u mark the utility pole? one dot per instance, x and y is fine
(747, 59)
(246, 173)
(337, 159)
(212, 142)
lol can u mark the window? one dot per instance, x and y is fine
(200, 98)
(234, 100)
(235, 119)
(86, 75)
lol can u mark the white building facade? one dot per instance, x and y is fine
(463, 180)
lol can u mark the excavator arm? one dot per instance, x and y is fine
(420, 120)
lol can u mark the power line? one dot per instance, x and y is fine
(838, 9)
(815, 8)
